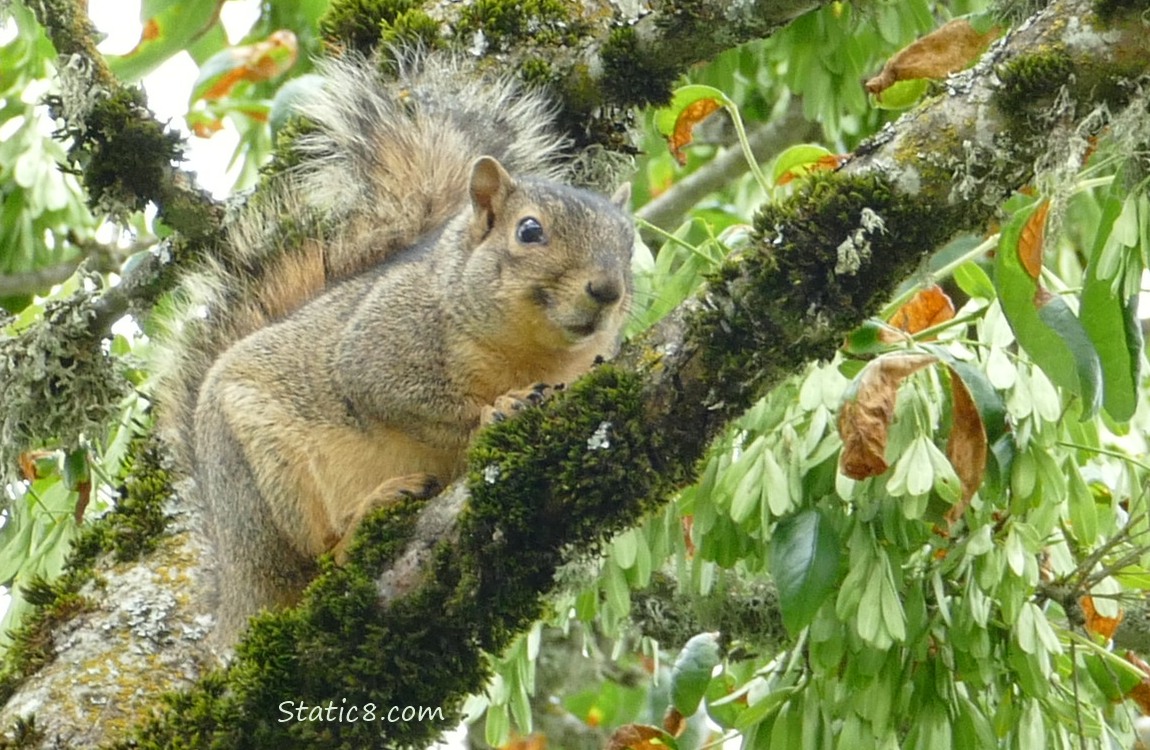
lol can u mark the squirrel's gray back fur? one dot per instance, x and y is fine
(383, 161)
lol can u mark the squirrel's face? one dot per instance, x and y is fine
(556, 262)
(562, 269)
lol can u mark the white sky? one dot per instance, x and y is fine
(170, 85)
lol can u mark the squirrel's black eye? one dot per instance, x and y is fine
(529, 231)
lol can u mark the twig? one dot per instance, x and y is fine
(667, 211)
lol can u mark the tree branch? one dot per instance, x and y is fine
(429, 587)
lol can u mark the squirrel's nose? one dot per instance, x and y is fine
(604, 290)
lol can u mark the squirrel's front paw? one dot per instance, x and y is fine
(512, 402)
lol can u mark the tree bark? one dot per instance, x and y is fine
(474, 566)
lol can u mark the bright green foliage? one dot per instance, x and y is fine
(42, 212)
(1044, 324)
(691, 673)
(1109, 295)
(932, 634)
(805, 560)
(941, 634)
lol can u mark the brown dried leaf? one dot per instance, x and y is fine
(84, 492)
(865, 417)
(928, 307)
(29, 460)
(1096, 623)
(692, 115)
(533, 741)
(261, 61)
(951, 47)
(1140, 693)
(1031, 240)
(674, 722)
(638, 737)
(687, 523)
(966, 447)
(150, 32)
(828, 163)
(205, 128)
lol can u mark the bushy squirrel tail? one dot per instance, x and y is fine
(381, 162)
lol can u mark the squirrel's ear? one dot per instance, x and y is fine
(490, 185)
(622, 196)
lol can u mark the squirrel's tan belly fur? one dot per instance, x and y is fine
(350, 465)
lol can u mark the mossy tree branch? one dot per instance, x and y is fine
(126, 154)
(431, 586)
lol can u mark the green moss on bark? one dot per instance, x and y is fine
(125, 154)
(1033, 83)
(360, 24)
(572, 473)
(634, 76)
(517, 23)
(824, 260)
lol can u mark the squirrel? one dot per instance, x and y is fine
(417, 273)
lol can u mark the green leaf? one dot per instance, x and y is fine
(748, 493)
(1113, 675)
(76, 470)
(930, 729)
(787, 731)
(946, 482)
(587, 605)
(804, 559)
(167, 31)
(1133, 577)
(894, 618)
(972, 730)
(1105, 315)
(1044, 324)
(616, 589)
(1082, 510)
(691, 674)
(15, 544)
(867, 338)
(902, 94)
(973, 280)
(913, 473)
(520, 705)
(1058, 316)
(497, 727)
(625, 548)
(776, 487)
(1031, 728)
(764, 707)
(685, 96)
(797, 160)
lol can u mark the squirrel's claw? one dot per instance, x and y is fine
(512, 402)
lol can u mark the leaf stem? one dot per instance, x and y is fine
(1104, 452)
(741, 132)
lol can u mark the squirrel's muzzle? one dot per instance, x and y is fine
(595, 307)
(605, 290)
